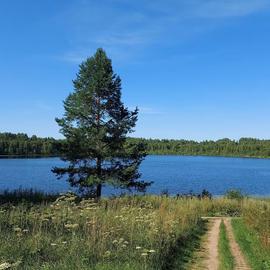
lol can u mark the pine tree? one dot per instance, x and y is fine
(96, 124)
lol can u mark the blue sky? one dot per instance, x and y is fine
(197, 69)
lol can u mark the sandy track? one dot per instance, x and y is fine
(212, 262)
(240, 261)
(207, 256)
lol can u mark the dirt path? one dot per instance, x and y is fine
(240, 262)
(212, 246)
(207, 257)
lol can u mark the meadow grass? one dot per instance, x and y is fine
(252, 232)
(256, 215)
(121, 233)
(132, 232)
(226, 260)
(257, 255)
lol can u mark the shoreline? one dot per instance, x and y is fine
(151, 154)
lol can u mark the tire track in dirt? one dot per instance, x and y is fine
(207, 257)
(208, 254)
(240, 261)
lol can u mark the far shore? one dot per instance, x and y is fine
(150, 154)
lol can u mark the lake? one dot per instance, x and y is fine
(177, 174)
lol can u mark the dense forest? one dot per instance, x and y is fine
(23, 145)
(245, 147)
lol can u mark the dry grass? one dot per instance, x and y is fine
(256, 214)
(140, 232)
(121, 233)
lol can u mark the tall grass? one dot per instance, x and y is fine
(120, 233)
(136, 232)
(258, 256)
(256, 214)
(253, 232)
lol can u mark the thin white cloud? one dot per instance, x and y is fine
(124, 27)
(230, 8)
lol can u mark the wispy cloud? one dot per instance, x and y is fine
(125, 27)
(230, 8)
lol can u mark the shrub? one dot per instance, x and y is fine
(234, 194)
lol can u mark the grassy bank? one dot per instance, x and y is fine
(226, 259)
(253, 233)
(121, 233)
(138, 232)
(256, 254)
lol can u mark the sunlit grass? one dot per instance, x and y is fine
(123, 233)
(136, 232)
(226, 260)
(257, 255)
(253, 232)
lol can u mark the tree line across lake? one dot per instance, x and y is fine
(22, 145)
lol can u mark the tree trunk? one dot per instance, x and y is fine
(98, 193)
(99, 186)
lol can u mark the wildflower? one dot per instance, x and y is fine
(115, 241)
(144, 254)
(107, 253)
(64, 242)
(126, 242)
(70, 199)
(138, 247)
(124, 246)
(90, 208)
(5, 265)
(25, 231)
(71, 226)
(121, 240)
(53, 244)
(151, 251)
(16, 263)
(17, 229)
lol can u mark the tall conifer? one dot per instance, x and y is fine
(96, 124)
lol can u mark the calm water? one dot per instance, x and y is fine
(178, 174)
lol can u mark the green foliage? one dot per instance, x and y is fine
(258, 255)
(26, 196)
(22, 145)
(245, 147)
(234, 194)
(226, 260)
(256, 214)
(95, 125)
